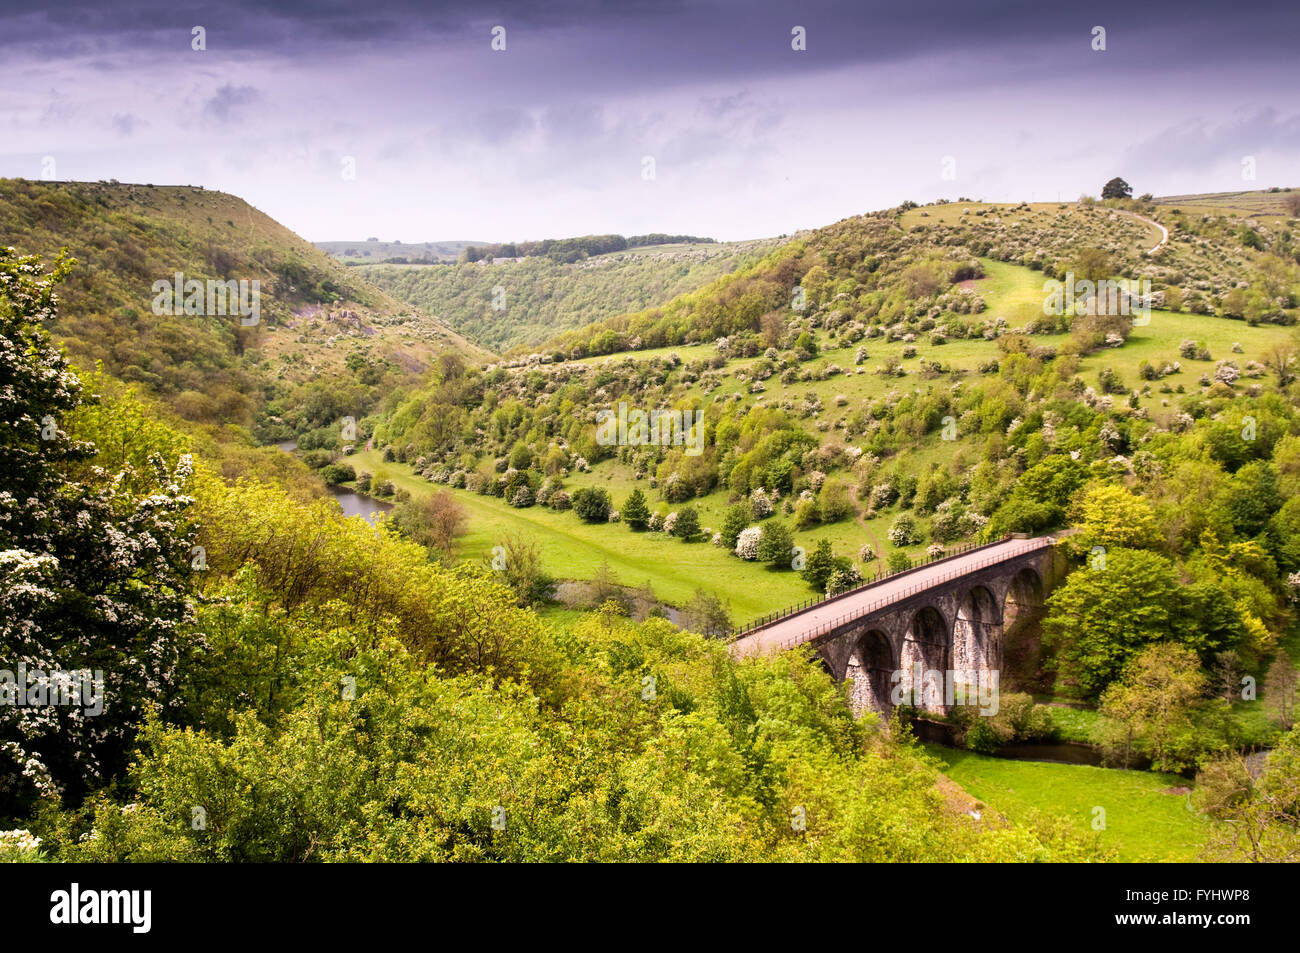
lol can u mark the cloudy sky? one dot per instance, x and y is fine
(399, 120)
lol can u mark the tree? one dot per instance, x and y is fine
(1112, 515)
(747, 542)
(1281, 360)
(1153, 701)
(636, 513)
(844, 577)
(522, 570)
(1100, 617)
(94, 566)
(737, 518)
(432, 520)
(1116, 188)
(1091, 264)
(707, 614)
(591, 504)
(605, 587)
(687, 526)
(904, 531)
(337, 473)
(1280, 690)
(1255, 819)
(820, 565)
(777, 545)
(1226, 675)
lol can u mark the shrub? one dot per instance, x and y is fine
(747, 542)
(592, 505)
(688, 525)
(982, 737)
(337, 473)
(904, 531)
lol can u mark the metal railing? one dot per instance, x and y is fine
(809, 635)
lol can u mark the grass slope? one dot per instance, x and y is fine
(572, 549)
(313, 312)
(1143, 823)
(544, 297)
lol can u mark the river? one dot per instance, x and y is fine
(353, 503)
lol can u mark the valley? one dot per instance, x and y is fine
(869, 396)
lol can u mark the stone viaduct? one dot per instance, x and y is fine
(948, 616)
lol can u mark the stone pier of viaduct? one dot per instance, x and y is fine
(948, 616)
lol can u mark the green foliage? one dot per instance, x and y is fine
(95, 564)
(591, 504)
(635, 512)
(1116, 188)
(776, 545)
(556, 289)
(1106, 612)
(819, 566)
(738, 517)
(687, 526)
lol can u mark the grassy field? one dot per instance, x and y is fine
(1257, 203)
(1143, 823)
(572, 549)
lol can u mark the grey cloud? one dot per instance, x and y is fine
(225, 104)
(126, 123)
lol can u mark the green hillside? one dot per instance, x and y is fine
(318, 321)
(867, 395)
(543, 297)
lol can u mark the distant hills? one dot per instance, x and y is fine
(373, 251)
(319, 320)
(540, 297)
(563, 250)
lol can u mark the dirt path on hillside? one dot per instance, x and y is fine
(1164, 232)
(871, 537)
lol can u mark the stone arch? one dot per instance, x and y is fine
(1024, 598)
(925, 658)
(871, 669)
(977, 634)
(1022, 651)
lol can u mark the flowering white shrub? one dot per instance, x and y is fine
(18, 845)
(903, 532)
(760, 503)
(747, 542)
(1227, 372)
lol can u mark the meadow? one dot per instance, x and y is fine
(1147, 818)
